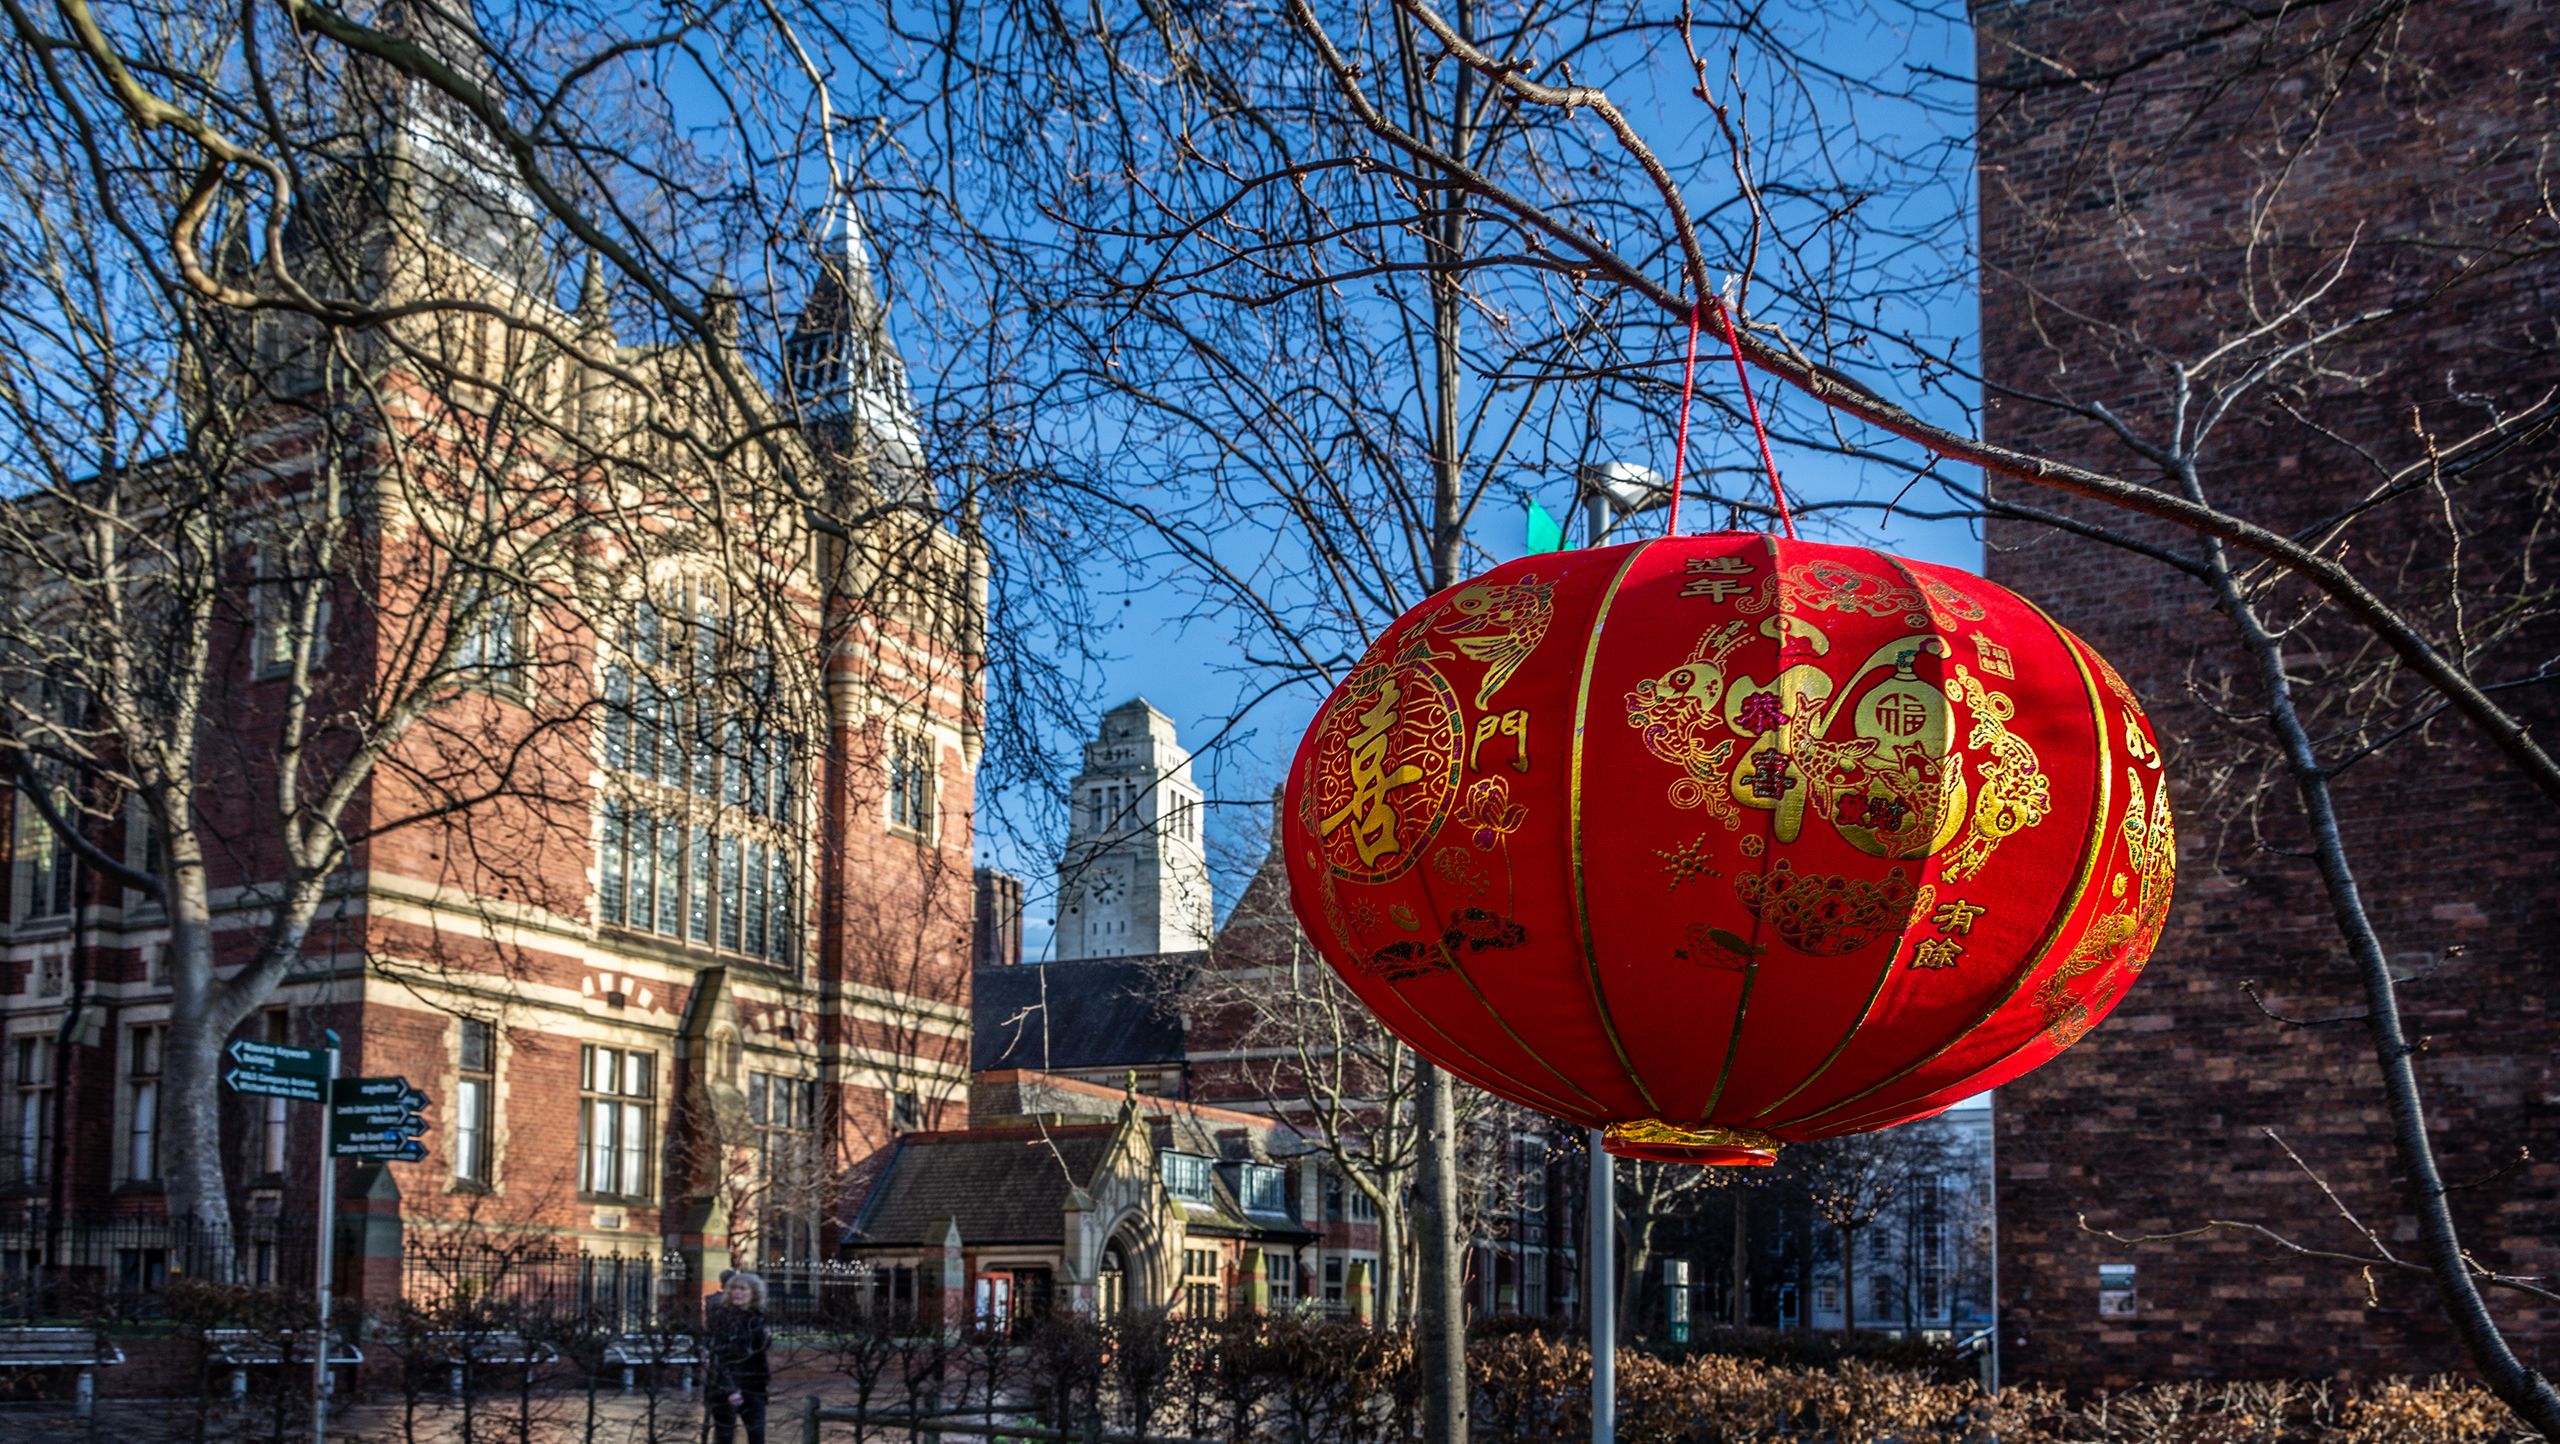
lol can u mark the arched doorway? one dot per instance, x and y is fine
(1111, 1293)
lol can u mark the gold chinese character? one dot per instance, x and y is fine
(1936, 953)
(1995, 658)
(1514, 725)
(1720, 566)
(1957, 916)
(1899, 715)
(1373, 822)
(1715, 589)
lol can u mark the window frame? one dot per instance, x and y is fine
(505, 623)
(270, 640)
(52, 877)
(475, 1105)
(632, 1164)
(31, 1099)
(1188, 1165)
(698, 815)
(912, 790)
(147, 1041)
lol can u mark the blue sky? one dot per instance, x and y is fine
(1190, 670)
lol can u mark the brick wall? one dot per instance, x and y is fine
(2141, 194)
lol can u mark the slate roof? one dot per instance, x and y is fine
(1002, 1186)
(1102, 1013)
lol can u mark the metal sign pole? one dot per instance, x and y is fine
(1604, 1294)
(324, 1255)
(1600, 508)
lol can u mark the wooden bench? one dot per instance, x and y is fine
(241, 1350)
(84, 1350)
(633, 1352)
(497, 1349)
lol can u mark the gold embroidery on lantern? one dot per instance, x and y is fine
(2123, 938)
(1995, 658)
(1507, 623)
(1930, 954)
(1373, 825)
(1826, 914)
(1716, 576)
(1676, 716)
(1387, 752)
(2016, 793)
(2137, 746)
(1488, 814)
(1892, 790)
(2086, 873)
(1513, 724)
(1687, 861)
(1457, 866)
(1710, 946)
(1829, 586)
(1957, 917)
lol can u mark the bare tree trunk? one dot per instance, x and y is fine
(1385, 1305)
(1439, 1307)
(1740, 1303)
(2522, 1387)
(1848, 1282)
(1631, 1283)
(191, 1063)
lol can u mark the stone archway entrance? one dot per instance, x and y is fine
(1112, 1292)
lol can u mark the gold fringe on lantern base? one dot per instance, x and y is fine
(1709, 1143)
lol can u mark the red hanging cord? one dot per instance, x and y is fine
(1680, 457)
(1742, 375)
(1688, 392)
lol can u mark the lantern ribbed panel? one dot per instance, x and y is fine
(1727, 841)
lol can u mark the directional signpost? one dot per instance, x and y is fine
(377, 1118)
(276, 1071)
(373, 1118)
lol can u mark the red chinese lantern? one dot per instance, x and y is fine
(1723, 842)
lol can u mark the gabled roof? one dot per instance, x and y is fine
(1091, 1013)
(999, 1186)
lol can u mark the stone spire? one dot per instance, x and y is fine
(845, 371)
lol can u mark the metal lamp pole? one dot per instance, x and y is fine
(1611, 489)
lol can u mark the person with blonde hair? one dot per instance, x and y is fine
(740, 1376)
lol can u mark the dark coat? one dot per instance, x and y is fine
(739, 1339)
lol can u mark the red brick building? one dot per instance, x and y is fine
(2157, 181)
(707, 949)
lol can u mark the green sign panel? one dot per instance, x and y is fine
(277, 1058)
(377, 1118)
(275, 1085)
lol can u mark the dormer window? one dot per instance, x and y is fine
(1186, 1177)
(1264, 1187)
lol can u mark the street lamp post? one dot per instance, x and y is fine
(1612, 490)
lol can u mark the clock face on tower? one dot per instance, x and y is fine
(1106, 890)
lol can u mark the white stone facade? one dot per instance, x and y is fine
(1135, 876)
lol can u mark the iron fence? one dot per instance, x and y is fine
(126, 1268)
(486, 1279)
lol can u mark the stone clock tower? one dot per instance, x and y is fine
(1135, 877)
